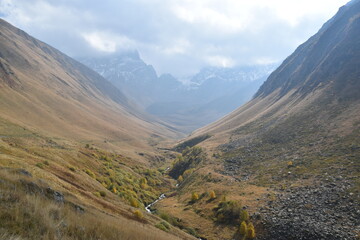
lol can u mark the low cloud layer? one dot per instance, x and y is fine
(176, 36)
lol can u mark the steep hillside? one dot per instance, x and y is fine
(44, 89)
(291, 154)
(77, 159)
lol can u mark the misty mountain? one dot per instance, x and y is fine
(190, 104)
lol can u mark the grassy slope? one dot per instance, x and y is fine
(43, 89)
(82, 175)
(51, 108)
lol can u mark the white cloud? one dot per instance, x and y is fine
(210, 18)
(265, 60)
(107, 42)
(176, 36)
(180, 46)
(220, 61)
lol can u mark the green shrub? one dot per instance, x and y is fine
(244, 216)
(40, 165)
(90, 173)
(191, 231)
(165, 216)
(228, 211)
(71, 168)
(163, 226)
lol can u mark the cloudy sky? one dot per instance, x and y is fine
(176, 36)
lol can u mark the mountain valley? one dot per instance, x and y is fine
(273, 152)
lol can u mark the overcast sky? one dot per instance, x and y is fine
(175, 36)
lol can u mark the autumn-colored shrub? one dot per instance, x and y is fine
(138, 214)
(250, 231)
(134, 203)
(212, 195)
(194, 197)
(243, 228)
(180, 179)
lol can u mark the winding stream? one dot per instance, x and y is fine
(147, 208)
(162, 196)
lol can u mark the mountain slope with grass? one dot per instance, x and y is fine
(43, 89)
(291, 154)
(77, 159)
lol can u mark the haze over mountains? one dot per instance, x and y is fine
(200, 100)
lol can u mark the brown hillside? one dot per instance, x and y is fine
(295, 145)
(43, 89)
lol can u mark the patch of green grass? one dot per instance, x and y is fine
(163, 226)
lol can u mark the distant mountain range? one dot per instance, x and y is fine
(202, 99)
